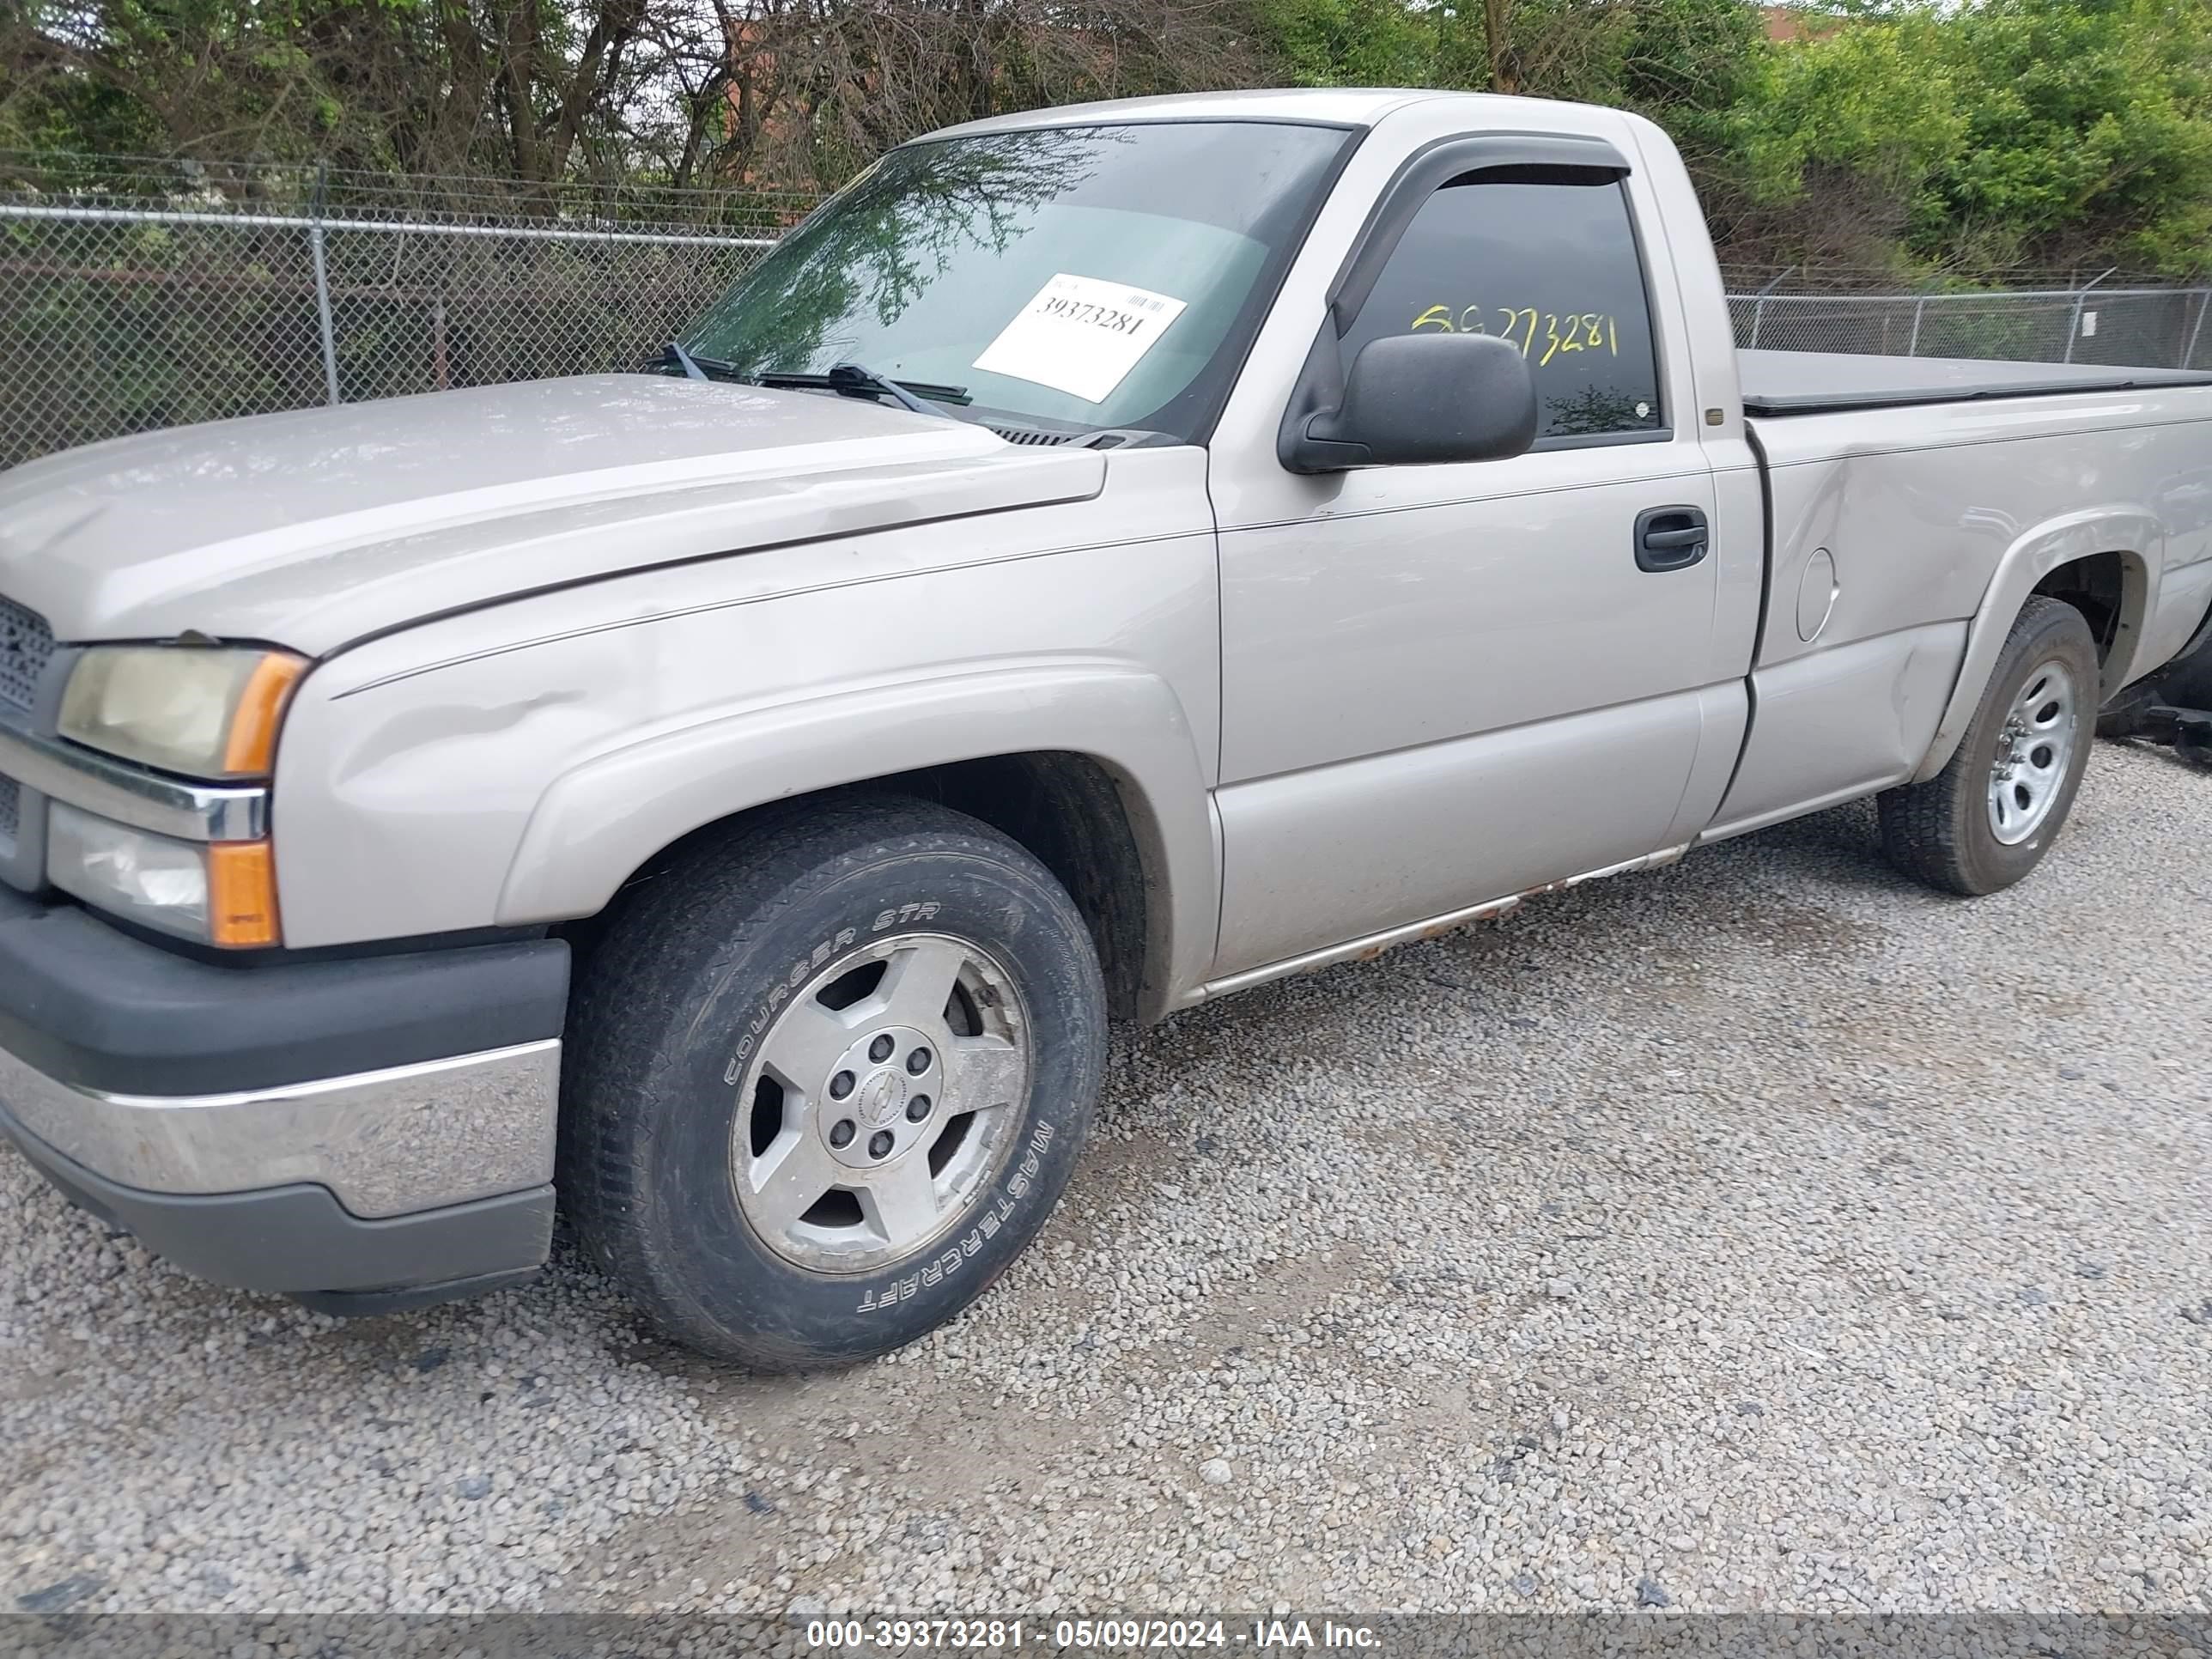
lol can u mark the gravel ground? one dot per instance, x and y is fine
(1762, 1233)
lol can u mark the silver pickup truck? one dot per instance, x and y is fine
(1104, 559)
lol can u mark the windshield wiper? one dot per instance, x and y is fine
(852, 377)
(843, 377)
(696, 368)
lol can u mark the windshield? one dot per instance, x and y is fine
(1101, 276)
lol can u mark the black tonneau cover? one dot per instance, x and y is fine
(1818, 382)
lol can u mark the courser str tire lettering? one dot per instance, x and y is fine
(677, 1017)
(1945, 830)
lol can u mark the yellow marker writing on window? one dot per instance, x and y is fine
(1561, 330)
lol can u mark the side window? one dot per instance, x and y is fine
(1551, 266)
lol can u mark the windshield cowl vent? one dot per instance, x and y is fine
(1021, 434)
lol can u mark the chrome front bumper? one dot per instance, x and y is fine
(365, 1132)
(383, 1143)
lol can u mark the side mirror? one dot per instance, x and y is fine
(1413, 399)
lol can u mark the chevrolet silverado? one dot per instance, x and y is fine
(1104, 559)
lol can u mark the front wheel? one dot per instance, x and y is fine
(1987, 819)
(828, 1079)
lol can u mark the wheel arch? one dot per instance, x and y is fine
(1095, 771)
(2103, 561)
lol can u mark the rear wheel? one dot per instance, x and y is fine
(1987, 819)
(828, 1079)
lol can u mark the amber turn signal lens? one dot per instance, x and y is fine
(241, 894)
(252, 748)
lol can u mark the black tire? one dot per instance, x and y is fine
(694, 964)
(1941, 831)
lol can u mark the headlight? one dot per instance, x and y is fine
(205, 711)
(217, 892)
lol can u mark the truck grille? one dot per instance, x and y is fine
(11, 812)
(27, 644)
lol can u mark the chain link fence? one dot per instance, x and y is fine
(2135, 327)
(133, 302)
(138, 294)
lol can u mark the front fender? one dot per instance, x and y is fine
(2136, 536)
(597, 823)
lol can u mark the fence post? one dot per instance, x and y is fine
(2081, 299)
(2196, 329)
(1758, 308)
(1919, 310)
(323, 287)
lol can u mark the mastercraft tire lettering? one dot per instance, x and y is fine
(828, 1078)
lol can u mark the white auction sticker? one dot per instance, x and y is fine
(1081, 335)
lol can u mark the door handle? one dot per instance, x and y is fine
(1671, 538)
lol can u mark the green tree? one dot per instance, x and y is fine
(2086, 134)
(1348, 43)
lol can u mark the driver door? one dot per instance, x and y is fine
(1444, 685)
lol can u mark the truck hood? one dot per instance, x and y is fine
(313, 529)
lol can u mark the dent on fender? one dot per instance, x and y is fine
(411, 733)
(598, 820)
(2133, 532)
(1839, 722)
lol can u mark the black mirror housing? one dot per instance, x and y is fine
(1419, 399)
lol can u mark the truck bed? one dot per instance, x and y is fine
(1823, 382)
